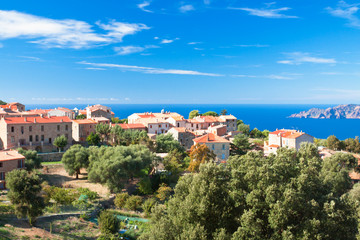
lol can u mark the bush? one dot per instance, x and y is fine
(6, 209)
(90, 194)
(144, 186)
(60, 195)
(108, 223)
(120, 199)
(133, 203)
(148, 205)
(108, 237)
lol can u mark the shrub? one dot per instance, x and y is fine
(90, 194)
(120, 199)
(145, 186)
(108, 223)
(148, 205)
(107, 237)
(6, 209)
(133, 203)
(164, 192)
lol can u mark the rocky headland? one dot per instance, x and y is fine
(350, 111)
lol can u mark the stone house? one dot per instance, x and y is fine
(14, 106)
(182, 135)
(61, 112)
(219, 130)
(218, 145)
(98, 110)
(81, 129)
(286, 138)
(35, 133)
(9, 160)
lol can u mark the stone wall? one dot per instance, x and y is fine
(51, 157)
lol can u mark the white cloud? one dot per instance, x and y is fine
(346, 11)
(125, 50)
(283, 76)
(94, 68)
(267, 13)
(149, 70)
(31, 58)
(194, 43)
(279, 77)
(165, 41)
(67, 33)
(186, 8)
(297, 58)
(143, 6)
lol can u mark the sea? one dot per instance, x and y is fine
(260, 116)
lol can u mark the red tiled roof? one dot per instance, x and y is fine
(9, 155)
(288, 133)
(146, 115)
(27, 120)
(84, 121)
(354, 175)
(274, 146)
(210, 137)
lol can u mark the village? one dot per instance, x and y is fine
(166, 144)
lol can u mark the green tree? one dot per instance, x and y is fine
(117, 120)
(133, 203)
(108, 223)
(2, 102)
(256, 133)
(352, 145)
(333, 143)
(24, 194)
(210, 113)
(145, 186)
(32, 159)
(240, 145)
(166, 143)
(75, 158)
(199, 154)
(60, 142)
(112, 166)
(283, 196)
(223, 112)
(103, 130)
(194, 113)
(93, 139)
(244, 128)
(120, 199)
(121, 137)
(81, 116)
(174, 163)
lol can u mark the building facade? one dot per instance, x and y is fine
(9, 160)
(218, 145)
(35, 133)
(183, 136)
(81, 129)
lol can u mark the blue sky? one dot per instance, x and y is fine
(199, 51)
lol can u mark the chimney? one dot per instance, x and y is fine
(34, 120)
(62, 120)
(25, 119)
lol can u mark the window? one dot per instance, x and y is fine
(12, 139)
(1, 164)
(30, 128)
(42, 128)
(30, 138)
(22, 130)
(66, 127)
(20, 163)
(12, 129)
(2, 176)
(58, 127)
(67, 136)
(37, 138)
(223, 156)
(223, 146)
(159, 125)
(150, 126)
(155, 132)
(178, 124)
(213, 146)
(42, 138)
(192, 125)
(49, 140)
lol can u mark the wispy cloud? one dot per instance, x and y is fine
(94, 68)
(346, 11)
(31, 58)
(283, 76)
(186, 8)
(297, 58)
(149, 70)
(165, 41)
(125, 50)
(194, 43)
(143, 6)
(267, 12)
(69, 33)
(336, 94)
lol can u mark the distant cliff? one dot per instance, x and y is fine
(338, 112)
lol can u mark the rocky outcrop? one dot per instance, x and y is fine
(351, 111)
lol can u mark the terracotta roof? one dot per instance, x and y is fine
(354, 175)
(28, 120)
(274, 146)
(288, 133)
(230, 117)
(209, 138)
(62, 109)
(178, 118)
(146, 115)
(82, 112)
(130, 125)
(84, 121)
(39, 111)
(180, 129)
(9, 155)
